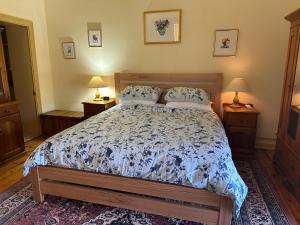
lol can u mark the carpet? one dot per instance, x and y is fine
(16, 207)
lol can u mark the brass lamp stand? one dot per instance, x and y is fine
(237, 85)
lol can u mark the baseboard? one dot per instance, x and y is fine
(27, 138)
(265, 143)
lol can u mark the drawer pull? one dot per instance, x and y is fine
(7, 111)
(1, 131)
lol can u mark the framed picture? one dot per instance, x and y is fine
(95, 38)
(162, 27)
(69, 50)
(226, 42)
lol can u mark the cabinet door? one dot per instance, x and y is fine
(286, 96)
(4, 89)
(292, 137)
(11, 136)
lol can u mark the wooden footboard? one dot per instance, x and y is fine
(136, 194)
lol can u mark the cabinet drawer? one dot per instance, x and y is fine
(6, 110)
(11, 136)
(242, 120)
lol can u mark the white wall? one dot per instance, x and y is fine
(34, 10)
(260, 59)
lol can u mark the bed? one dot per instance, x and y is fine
(157, 176)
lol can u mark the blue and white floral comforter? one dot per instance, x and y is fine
(181, 146)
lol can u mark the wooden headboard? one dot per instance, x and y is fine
(210, 82)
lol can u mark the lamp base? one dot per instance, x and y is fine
(97, 96)
(236, 101)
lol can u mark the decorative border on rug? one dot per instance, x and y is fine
(12, 200)
(15, 188)
(269, 194)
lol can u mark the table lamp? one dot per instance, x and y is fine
(237, 85)
(96, 82)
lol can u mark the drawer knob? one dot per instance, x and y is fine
(7, 111)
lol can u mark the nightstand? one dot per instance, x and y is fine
(92, 108)
(58, 120)
(240, 126)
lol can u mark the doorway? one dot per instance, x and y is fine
(23, 86)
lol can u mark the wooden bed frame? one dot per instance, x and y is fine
(159, 198)
(210, 82)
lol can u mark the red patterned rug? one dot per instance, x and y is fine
(17, 208)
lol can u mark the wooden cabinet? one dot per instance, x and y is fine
(287, 155)
(11, 132)
(240, 126)
(92, 108)
(58, 120)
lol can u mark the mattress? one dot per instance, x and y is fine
(179, 146)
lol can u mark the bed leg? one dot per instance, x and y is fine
(226, 206)
(36, 188)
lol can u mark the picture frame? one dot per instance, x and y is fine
(69, 50)
(162, 26)
(95, 38)
(226, 41)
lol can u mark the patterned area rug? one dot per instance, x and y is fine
(16, 207)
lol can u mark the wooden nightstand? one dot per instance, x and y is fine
(240, 125)
(58, 120)
(92, 108)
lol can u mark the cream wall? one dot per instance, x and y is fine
(260, 59)
(34, 10)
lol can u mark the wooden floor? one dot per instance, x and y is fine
(287, 201)
(11, 172)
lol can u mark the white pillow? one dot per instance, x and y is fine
(193, 105)
(187, 94)
(142, 93)
(132, 102)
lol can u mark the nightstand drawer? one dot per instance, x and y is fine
(92, 108)
(240, 126)
(241, 138)
(241, 120)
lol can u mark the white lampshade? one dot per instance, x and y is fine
(238, 85)
(96, 82)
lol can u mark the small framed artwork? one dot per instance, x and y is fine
(162, 27)
(69, 50)
(226, 42)
(95, 38)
